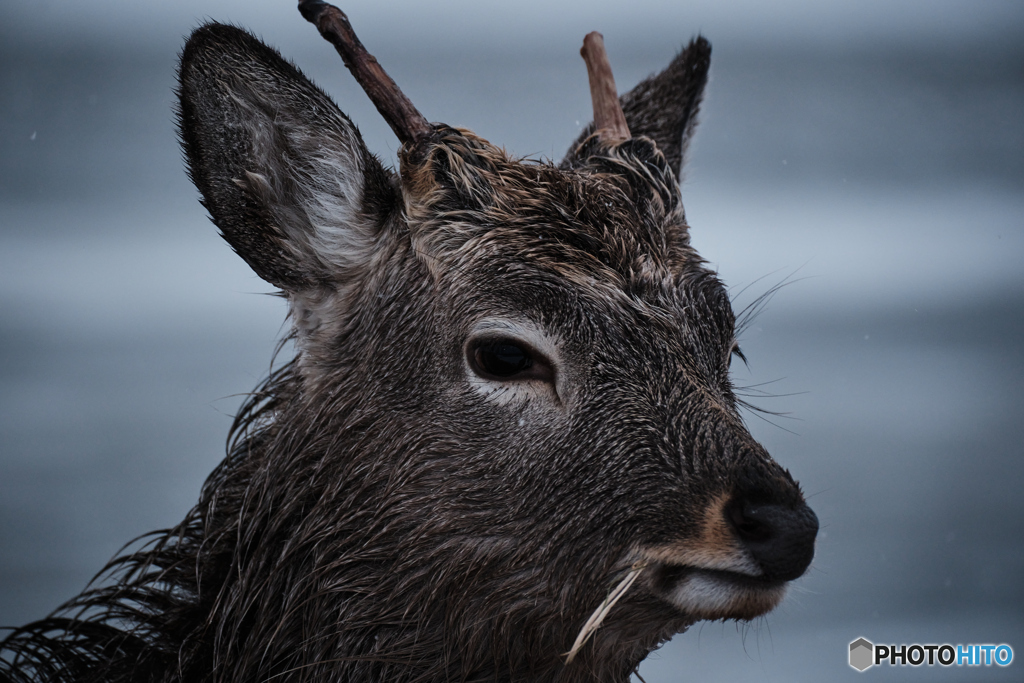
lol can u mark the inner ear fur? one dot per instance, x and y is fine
(662, 107)
(283, 172)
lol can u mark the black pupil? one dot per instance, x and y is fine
(502, 359)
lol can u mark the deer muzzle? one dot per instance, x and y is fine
(750, 545)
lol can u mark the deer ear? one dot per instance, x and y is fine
(663, 107)
(283, 172)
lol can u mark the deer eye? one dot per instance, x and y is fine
(501, 358)
(507, 359)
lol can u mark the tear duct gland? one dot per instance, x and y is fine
(511, 384)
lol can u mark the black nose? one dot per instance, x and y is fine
(779, 537)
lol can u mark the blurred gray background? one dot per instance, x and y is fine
(871, 153)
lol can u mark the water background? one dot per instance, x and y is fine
(872, 153)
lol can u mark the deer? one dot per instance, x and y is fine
(507, 446)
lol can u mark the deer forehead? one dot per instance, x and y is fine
(557, 267)
(468, 197)
(513, 225)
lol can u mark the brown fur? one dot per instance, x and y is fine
(385, 515)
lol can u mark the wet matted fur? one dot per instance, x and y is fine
(388, 512)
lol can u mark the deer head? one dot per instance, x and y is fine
(510, 396)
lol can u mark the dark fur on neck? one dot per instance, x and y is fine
(184, 605)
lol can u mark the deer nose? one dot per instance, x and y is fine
(780, 538)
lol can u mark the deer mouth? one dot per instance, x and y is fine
(699, 592)
(713, 593)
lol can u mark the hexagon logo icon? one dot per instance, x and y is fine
(861, 654)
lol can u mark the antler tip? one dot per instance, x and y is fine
(311, 9)
(407, 123)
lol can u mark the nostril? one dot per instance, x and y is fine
(748, 524)
(779, 537)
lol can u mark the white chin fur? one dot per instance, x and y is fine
(710, 596)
